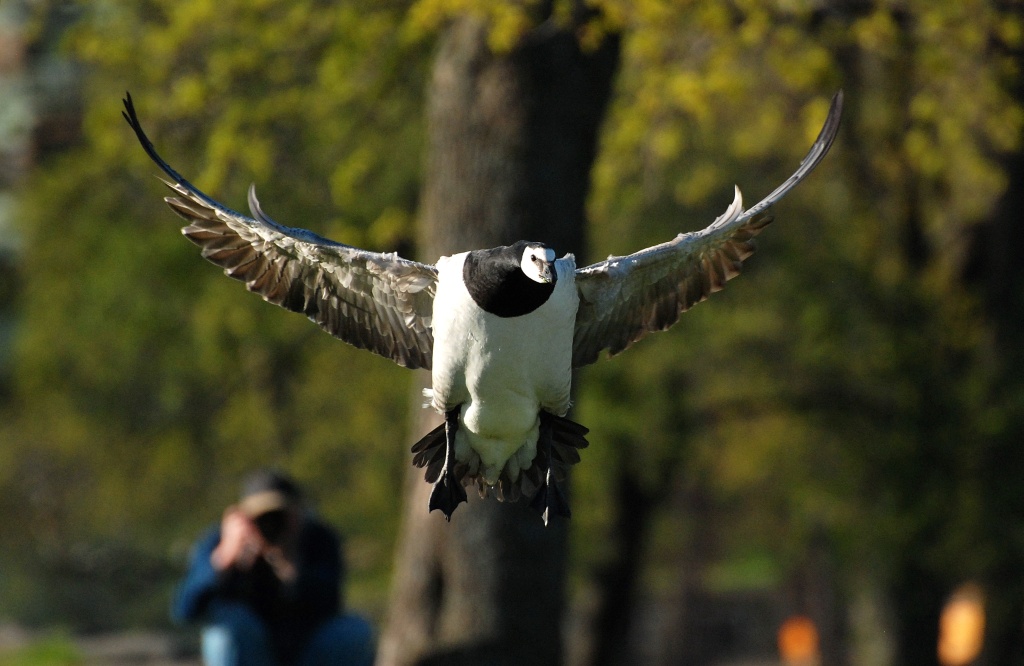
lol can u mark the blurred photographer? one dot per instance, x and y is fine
(266, 583)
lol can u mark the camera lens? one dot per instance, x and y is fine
(272, 525)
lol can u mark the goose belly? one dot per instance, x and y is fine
(502, 371)
(508, 382)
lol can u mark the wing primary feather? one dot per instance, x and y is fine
(814, 156)
(133, 120)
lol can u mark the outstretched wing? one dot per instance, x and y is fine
(374, 301)
(623, 299)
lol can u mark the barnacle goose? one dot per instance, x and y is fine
(500, 329)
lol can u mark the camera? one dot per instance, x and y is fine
(272, 525)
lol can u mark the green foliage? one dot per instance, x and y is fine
(147, 383)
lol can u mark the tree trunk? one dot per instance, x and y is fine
(994, 269)
(512, 138)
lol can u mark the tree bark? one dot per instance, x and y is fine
(512, 138)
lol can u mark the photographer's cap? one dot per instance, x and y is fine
(268, 490)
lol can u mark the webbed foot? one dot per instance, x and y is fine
(448, 493)
(446, 496)
(557, 444)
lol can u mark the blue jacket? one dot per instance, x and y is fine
(290, 612)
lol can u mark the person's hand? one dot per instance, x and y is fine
(240, 542)
(281, 563)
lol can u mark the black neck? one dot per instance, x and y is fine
(496, 281)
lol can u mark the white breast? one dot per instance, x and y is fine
(501, 371)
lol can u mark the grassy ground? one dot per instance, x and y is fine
(19, 647)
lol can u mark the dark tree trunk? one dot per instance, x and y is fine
(634, 507)
(512, 138)
(994, 269)
(916, 592)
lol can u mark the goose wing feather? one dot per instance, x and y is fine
(375, 301)
(622, 299)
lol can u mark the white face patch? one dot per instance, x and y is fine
(539, 264)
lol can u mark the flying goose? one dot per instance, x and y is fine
(500, 329)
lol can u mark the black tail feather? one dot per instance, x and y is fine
(429, 453)
(558, 446)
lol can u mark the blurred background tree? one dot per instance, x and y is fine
(512, 137)
(837, 434)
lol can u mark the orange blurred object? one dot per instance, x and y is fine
(962, 626)
(798, 641)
